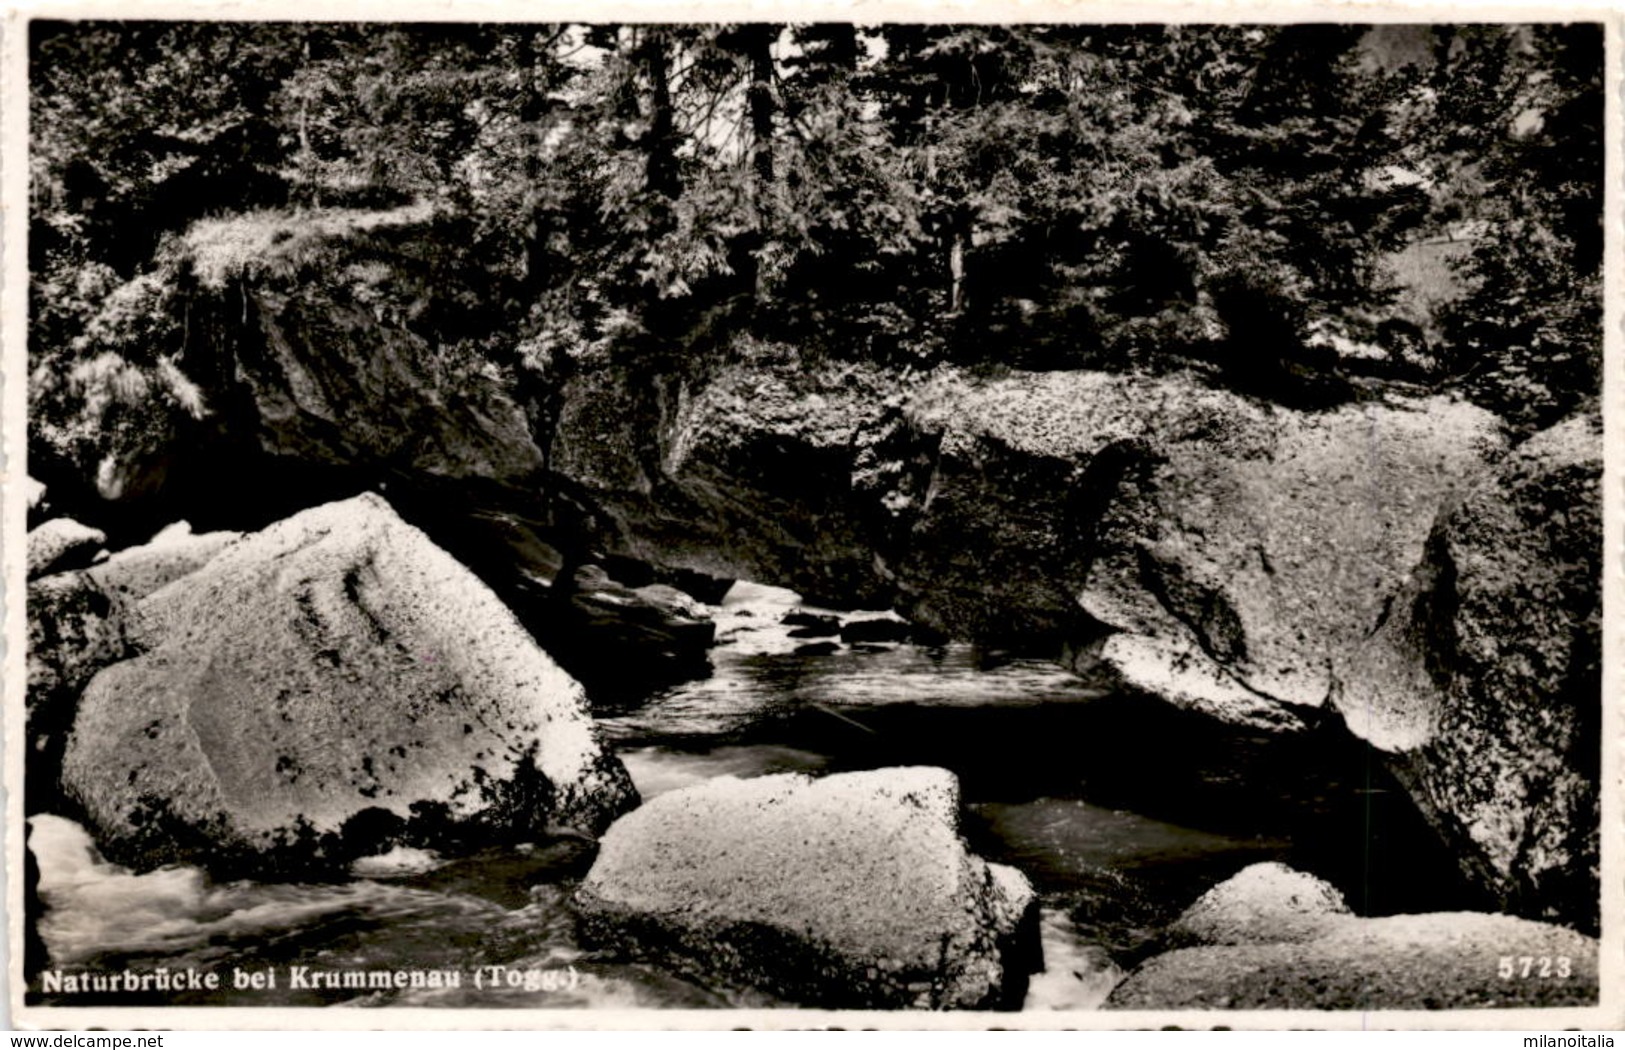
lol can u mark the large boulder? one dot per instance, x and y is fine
(76, 620)
(75, 628)
(332, 386)
(62, 543)
(1177, 671)
(324, 688)
(850, 891)
(1439, 961)
(1483, 685)
(999, 501)
(1271, 937)
(1217, 552)
(1264, 543)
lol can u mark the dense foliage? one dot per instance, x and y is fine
(1037, 196)
(1517, 136)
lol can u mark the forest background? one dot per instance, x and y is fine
(1308, 213)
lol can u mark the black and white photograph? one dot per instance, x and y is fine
(704, 523)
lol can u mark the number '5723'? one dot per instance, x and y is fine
(1544, 966)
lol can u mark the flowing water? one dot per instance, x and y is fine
(1120, 812)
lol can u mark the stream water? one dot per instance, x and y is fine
(1119, 811)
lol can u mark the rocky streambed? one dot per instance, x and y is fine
(1059, 823)
(444, 627)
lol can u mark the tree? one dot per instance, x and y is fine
(1516, 133)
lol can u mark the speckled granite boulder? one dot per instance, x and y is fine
(1177, 672)
(1267, 542)
(1483, 686)
(850, 891)
(1262, 904)
(320, 689)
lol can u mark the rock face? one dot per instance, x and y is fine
(850, 891)
(1206, 542)
(1262, 904)
(1041, 508)
(62, 543)
(1178, 672)
(746, 475)
(338, 373)
(1260, 550)
(323, 688)
(1484, 684)
(1401, 962)
(331, 385)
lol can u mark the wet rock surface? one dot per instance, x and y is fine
(623, 642)
(853, 890)
(250, 731)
